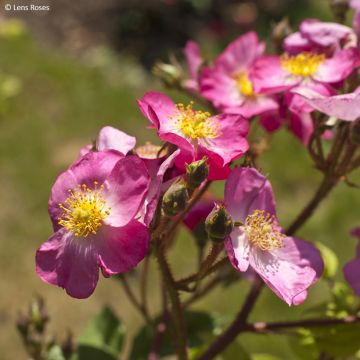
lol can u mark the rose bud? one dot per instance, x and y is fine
(219, 224)
(197, 172)
(175, 198)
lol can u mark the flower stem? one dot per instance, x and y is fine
(177, 310)
(261, 327)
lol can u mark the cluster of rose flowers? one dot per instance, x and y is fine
(115, 203)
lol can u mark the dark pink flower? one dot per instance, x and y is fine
(221, 137)
(352, 268)
(93, 207)
(228, 85)
(289, 266)
(280, 73)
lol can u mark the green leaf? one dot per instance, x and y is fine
(330, 260)
(199, 326)
(55, 353)
(103, 338)
(337, 340)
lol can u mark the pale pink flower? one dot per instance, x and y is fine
(289, 266)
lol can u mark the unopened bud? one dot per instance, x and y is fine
(175, 198)
(169, 74)
(339, 9)
(355, 132)
(197, 172)
(218, 224)
(22, 324)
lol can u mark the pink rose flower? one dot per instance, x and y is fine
(93, 207)
(222, 138)
(229, 85)
(289, 266)
(306, 69)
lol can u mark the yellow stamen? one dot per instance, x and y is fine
(196, 124)
(84, 210)
(261, 231)
(244, 84)
(304, 64)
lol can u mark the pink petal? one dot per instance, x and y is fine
(240, 54)
(156, 107)
(238, 249)
(302, 126)
(296, 43)
(269, 76)
(68, 262)
(220, 88)
(338, 67)
(231, 143)
(153, 195)
(252, 106)
(344, 107)
(324, 33)
(122, 248)
(247, 190)
(216, 170)
(193, 58)
(271, 121)
(125, 190)
(93, 166)
(289, 271)
(111, 138)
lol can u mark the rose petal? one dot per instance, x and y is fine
(290, 270)
(68, 262)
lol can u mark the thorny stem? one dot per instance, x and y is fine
(177, 310)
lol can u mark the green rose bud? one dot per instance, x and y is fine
(219, 224)
(197, 172)
(175, 198)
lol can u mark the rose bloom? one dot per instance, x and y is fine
(289, 266)
(93, 208)
(229, 83)
(222, 138)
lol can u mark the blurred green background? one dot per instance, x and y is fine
(56, 92)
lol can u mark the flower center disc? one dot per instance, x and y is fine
(84, 210)
(261, 231)
(304, 64)
(244, 84)
(196, 124)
